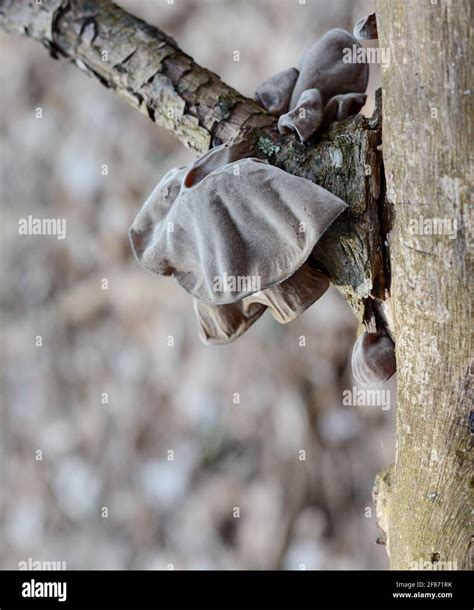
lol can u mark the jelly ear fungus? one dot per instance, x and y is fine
(373, 355)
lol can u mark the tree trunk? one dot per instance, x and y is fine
(146, 68)
(426, 138)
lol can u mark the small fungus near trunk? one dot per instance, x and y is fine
(373, 359)
(318, 94)
(366, 28)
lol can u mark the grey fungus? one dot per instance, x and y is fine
(305, 118)
(308, 116)
(373, 359)
(366, 28)
(290, 298)
(324, 76)
(217, 157)
(342, 106)
(221, 324)
(163, 196)
(323, 67)
(274, 94)
(154, 210)
(246, 220)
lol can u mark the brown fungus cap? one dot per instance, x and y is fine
(305, 118)
(290, 298)
(373, 359)
(308, 116)
(309, 99)
(247, 221)
(366, 28)
(154, 210)
(323, 67)
(274, 94)
(221, 324)
(342, 106)
(163, 196)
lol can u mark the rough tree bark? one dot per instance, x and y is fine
(427, 133)
(146, 68)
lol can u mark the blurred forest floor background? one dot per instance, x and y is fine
(105, 494)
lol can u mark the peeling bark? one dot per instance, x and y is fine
(427, 135)
(146, 68)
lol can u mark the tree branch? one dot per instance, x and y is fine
(146, 68)
(140, 63)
